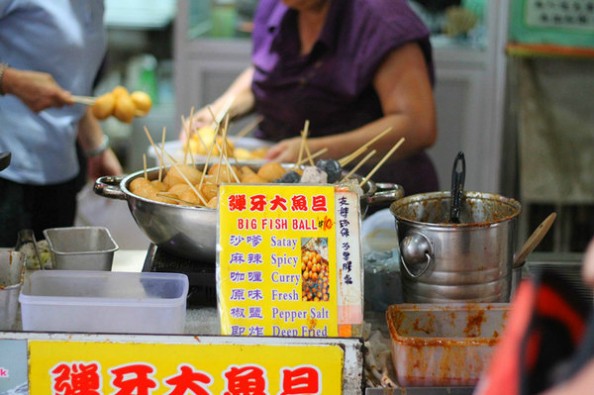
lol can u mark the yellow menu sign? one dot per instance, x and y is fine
(276, 263)
(73, 367)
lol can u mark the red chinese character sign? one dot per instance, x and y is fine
(68, 367)
(276, 261)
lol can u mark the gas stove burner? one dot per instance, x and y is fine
(201, 275)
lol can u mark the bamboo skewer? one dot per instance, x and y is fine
(86, 100)
(381, 162)
(167, 195)
(358, 166)
(198, 194)
(247, 129)
(161, 164)
(144, 166)
(304, 133)
(208, 156)
(308, 153)
(349, 158)
(223, 112)
(314, 155)
(220, 152)
(188, 131)
(150, 138)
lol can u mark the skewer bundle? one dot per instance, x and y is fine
(184, 184)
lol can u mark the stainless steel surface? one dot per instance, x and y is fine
(12, 266)
(469, 261)
(81, 247)
(190, 232)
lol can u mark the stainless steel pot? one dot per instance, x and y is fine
(190, 232)
(470, 261)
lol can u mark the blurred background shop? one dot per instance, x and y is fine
(521, 111)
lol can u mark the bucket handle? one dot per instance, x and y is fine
(417, 250)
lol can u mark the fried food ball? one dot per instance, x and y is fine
(178, 189)
(213, 203)
(191, 173)
(271, 171)
(190, 197)
(201, 142)
(253, 179)
(242, 154)
(104, 106)
(259, 153)
(137, 184)
(209, 190)
(146, 191)
(124, 108)
(142, 101)
(120, 91)
(159, 185)
(225, 174)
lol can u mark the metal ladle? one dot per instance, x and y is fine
(457, 192)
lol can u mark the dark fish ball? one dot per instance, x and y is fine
(332, 168)
(290, 177)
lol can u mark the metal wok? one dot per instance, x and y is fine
(191, 232)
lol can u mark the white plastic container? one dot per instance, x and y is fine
(91, 301)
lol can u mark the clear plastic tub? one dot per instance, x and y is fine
(89, 301)
(444, 345)
(81, 247)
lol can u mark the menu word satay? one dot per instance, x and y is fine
(276, 261)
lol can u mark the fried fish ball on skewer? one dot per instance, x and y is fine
(104, 106)
(253, 179)
(138, 183)
(213, 203)
(178, 189)
(142, 102)
(189, 171)
(271, 171)
(189, 197)
(223, 173)
(249, 176)
(209, 190)
(159, 185)
(147, 190)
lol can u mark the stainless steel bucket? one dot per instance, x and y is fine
(12, 267)
(470, 261)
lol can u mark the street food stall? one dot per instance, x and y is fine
(413, 298)
(264, 277)
(273, 268)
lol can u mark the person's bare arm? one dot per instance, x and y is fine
(405, 92)
(102, 161)
(37, 90)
